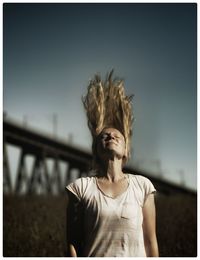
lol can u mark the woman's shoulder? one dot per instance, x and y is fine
(141, 181)
(79, 186)
(137, 177)
(142, 187)
(82, 181)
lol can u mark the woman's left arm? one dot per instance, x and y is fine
(149, 227)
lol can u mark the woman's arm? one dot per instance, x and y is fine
(73, 226)
(71, 250)
(149, 227)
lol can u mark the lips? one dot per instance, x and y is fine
(111, 142)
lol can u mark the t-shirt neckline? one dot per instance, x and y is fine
(116, 197)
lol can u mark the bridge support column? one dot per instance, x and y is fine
(7, 186)
(21, 173)
(56, 176)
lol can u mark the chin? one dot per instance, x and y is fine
(111, 146)
(112, 153)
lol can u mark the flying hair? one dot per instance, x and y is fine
(107, 105)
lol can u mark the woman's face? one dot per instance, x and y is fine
(111, 143)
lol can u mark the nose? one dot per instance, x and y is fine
(111, 136)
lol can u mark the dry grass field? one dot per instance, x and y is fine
(35, 225)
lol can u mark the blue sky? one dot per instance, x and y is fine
(52, 50)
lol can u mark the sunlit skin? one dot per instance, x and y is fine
(111, 149)
(111, 144)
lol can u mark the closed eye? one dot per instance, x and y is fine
(116, 136)
(104, 136)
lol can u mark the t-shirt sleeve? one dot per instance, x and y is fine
(145, 188)
(148, 188)
(77, 187)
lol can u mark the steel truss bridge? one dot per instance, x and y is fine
(43, 147)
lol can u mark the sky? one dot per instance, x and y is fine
(51, 51)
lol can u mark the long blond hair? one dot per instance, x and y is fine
(107, 105)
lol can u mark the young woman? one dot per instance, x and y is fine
(110, 214)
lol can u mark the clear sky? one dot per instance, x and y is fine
(52, 50)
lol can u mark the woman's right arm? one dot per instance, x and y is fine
(73, 226)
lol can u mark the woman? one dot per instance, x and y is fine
(112, 213)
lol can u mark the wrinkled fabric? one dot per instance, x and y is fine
(113, 226)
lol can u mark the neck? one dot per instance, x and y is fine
(112, 170)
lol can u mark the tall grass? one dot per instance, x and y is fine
(36, 225)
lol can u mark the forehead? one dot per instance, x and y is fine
(111, 130)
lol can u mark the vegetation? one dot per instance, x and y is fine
(35, 225)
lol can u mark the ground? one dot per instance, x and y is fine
(36, 225)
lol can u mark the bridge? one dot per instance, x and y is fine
(43, 147)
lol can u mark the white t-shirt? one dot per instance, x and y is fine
(113, 226)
